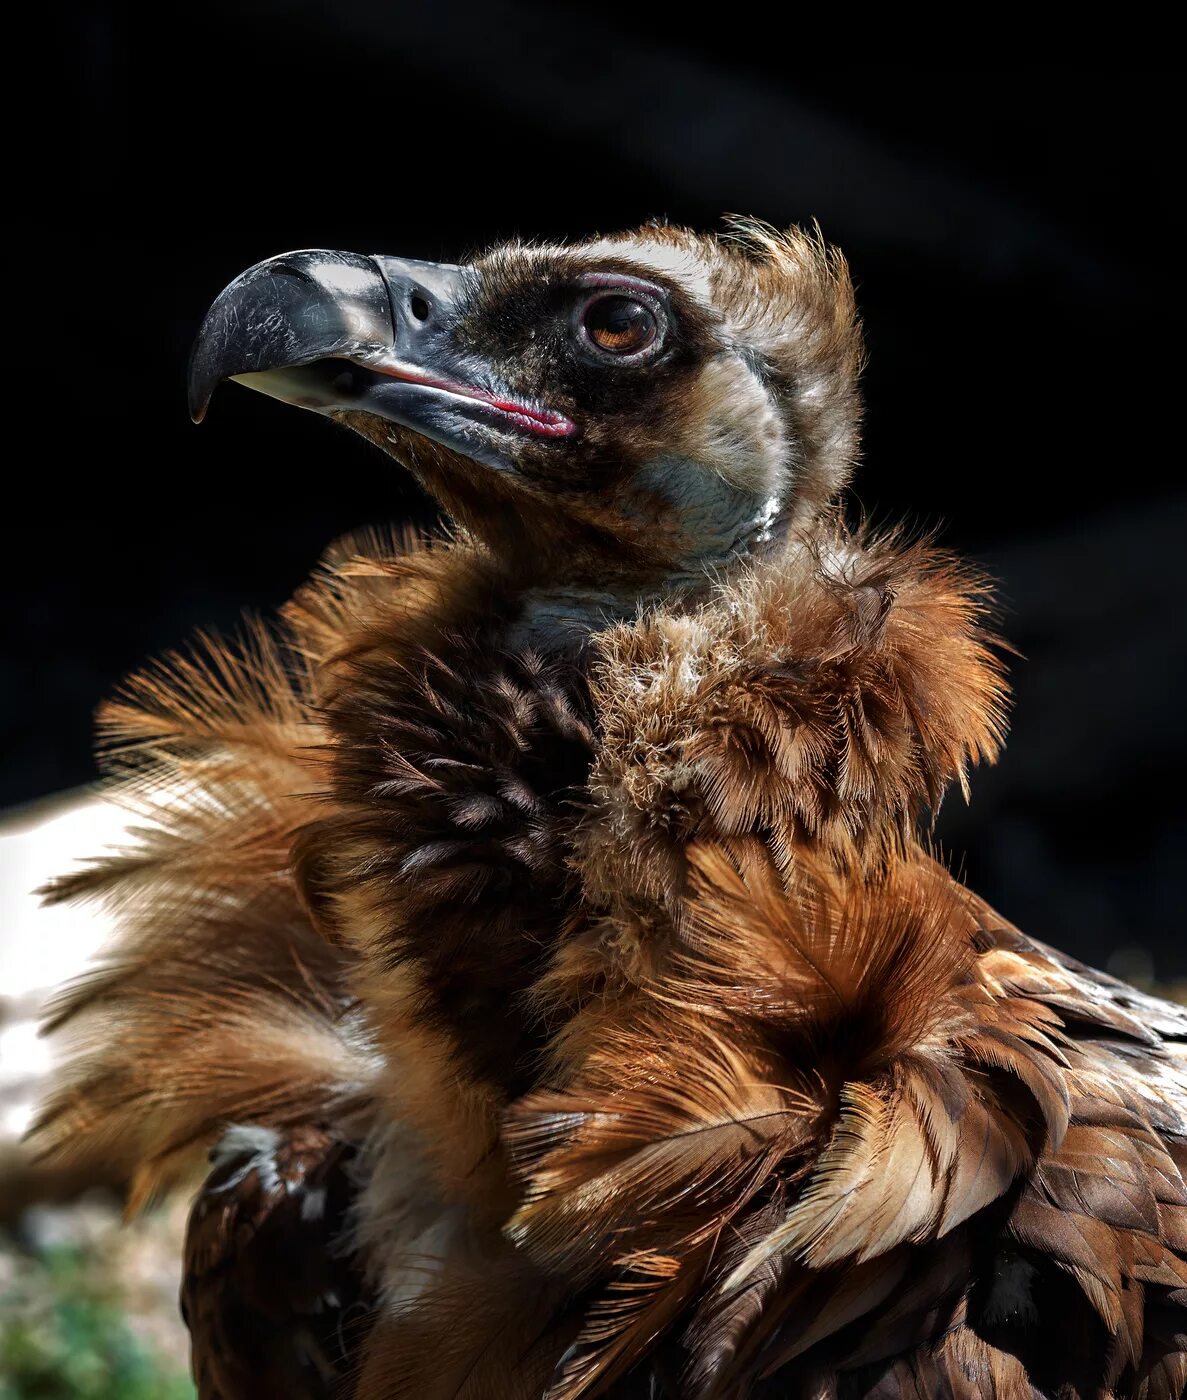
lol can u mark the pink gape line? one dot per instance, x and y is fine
(544, 422)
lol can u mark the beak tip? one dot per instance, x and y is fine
(206, 370)
(198, 397)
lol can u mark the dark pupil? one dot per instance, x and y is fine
(618, 323)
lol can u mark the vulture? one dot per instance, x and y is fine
(532, 946)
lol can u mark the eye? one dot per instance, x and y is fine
(620, 325)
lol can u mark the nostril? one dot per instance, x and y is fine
(419, 306)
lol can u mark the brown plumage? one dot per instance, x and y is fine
(544, 910)
(274, 1305)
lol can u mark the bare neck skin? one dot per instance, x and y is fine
(562, 616)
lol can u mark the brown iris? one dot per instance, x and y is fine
(619, 324)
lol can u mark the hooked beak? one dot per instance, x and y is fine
(336, 332)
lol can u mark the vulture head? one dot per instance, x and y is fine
(627, 410)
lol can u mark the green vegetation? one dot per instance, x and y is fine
(64, 1336)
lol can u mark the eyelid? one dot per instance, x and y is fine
(620, 281)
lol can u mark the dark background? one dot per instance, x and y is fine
(1015, 237)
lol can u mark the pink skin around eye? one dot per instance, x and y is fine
(619, 282)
